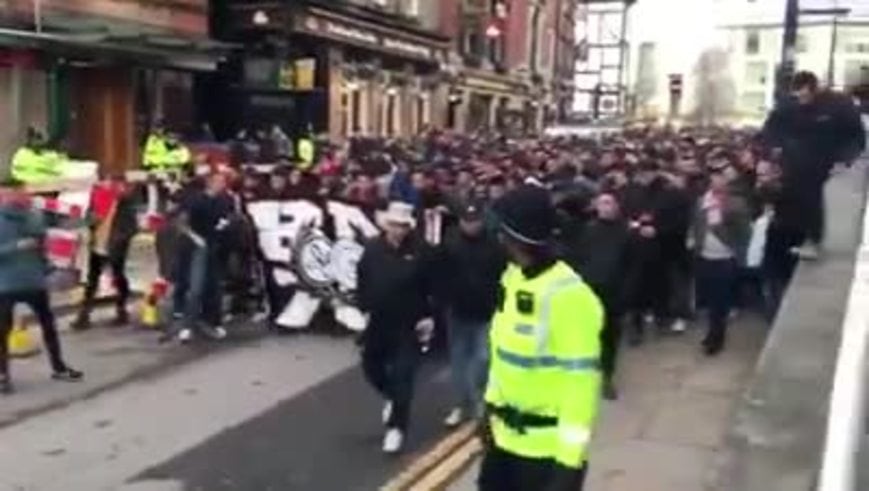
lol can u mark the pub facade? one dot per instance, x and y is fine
(336, 68)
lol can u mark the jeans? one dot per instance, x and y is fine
(390, 366)
(190, 277)
(469, 360)
(39, 303)
(716, 280)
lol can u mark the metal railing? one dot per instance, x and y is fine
(846, 415)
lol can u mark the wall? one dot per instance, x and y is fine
(22, 104)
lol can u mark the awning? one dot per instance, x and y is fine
(145, 49)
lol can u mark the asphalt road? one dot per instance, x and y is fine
(288, 413)
(327, 438)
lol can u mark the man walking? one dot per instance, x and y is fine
(395, 288)
(473, 263)
(544, 379)
(23, 271)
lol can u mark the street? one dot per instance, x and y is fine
(273, 413)
(263, 412)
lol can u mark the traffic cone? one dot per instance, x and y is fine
(150, 307)
(21, 343)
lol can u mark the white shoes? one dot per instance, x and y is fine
(185, 335)
(807, 252)
(455, 418)
(393, 441)
(219, 333)
(387, 412)
(679, 326)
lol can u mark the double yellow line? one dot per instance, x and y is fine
(436, 469)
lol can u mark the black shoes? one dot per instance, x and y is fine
(67, 375)
(6, 387)
(610, 392)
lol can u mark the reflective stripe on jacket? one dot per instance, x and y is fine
(545, 361)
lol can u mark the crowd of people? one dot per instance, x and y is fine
(659, 222)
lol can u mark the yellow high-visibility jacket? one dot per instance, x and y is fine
(545, 361)
(36, 167)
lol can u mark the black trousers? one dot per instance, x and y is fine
(610, 338)
(503, 471)
(390, 366)
(716, 280)
(117, 263)
(38, 301)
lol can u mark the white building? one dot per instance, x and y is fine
(726, 52)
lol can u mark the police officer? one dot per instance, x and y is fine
(544, 379)
(164, 152)
(34, 163)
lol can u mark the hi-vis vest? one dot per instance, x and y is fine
(157, 156)
(545, 361)
(305, 152)
(32, 167)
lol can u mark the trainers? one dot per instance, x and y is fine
(679, 326)
(216, 333)
(387, 412)
(185, 335)
(393, 441)
(610, 392)
(81, 323)
(67, 375)
(455, 418)
(807, 252)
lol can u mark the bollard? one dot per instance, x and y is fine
(22, 344)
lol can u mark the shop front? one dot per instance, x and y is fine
(482, 100)
(345, 74)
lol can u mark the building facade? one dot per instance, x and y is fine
(337, 68)
(94, 75)
(727, 73)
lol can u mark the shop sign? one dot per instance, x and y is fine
(345, 32)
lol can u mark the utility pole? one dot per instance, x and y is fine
(789, 51)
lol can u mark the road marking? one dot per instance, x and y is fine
(423, 465)
(439, 478)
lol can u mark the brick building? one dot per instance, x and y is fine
(95, 74)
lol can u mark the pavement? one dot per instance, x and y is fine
(669, 425)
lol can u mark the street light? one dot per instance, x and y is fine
(836, 14)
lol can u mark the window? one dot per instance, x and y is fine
(752, 42)
(756, 73)
(856, 72)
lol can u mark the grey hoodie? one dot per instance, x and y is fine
(21, 270)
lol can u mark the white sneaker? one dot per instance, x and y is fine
(455, 418)
(219, 332)
(807, 252)
(393, 441)
(387, 412)
(679, 326)
(215, 333)
(185, 335)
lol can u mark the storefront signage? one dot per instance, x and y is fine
(344, 32)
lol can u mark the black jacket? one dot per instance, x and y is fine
(395, 286)
(601, 255)
(813, 137)
(469, 275)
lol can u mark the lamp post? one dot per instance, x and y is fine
(836, 14)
